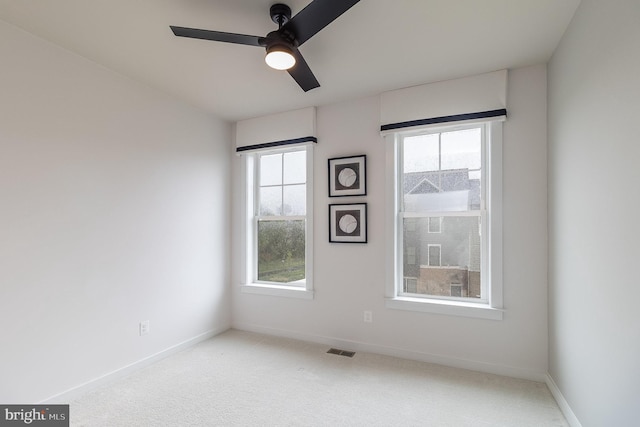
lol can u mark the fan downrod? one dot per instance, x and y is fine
(280, 14)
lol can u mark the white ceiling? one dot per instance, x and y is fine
(377, 45)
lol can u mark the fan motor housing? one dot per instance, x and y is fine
(280, 13)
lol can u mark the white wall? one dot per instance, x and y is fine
(350, 278)
(594, 147)
(113, 209)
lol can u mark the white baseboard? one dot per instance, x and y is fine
(504, 370)
(74, 392)
(562, 402)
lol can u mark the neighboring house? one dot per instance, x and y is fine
(443, 252)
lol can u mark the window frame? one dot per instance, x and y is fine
(491, 306)
(251, 284)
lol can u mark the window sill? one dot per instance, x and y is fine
(452, 308)
(278, 291)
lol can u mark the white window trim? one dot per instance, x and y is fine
(249, 283)
(491, 309)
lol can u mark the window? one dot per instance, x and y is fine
(410, 284)
(434, 258)
(411, 255)
(279, 226)
(446, 220)
(435, 224)
(456, 290)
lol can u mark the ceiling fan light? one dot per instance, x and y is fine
(280, 57)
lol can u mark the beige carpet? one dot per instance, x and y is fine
(245, 379)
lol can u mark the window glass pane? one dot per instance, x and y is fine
(295, 167)
(434, 255)
(447, 191)
(271, 169)
(411, 255)
(271, 200)
(410, 285)
(281, 251)
(456, 290)
(435, 223)
(461, 149)
(295, 202)
(441, 172)
(451, 257)
(421, 153)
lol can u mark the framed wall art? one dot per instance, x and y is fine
(348, 176)
(348, 223)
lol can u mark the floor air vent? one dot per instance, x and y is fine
(341, 352)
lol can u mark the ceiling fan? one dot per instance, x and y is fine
(282, 44)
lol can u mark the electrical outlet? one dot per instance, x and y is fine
(144, 327)
(368, 316)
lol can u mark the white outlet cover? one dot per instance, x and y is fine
(144, 327)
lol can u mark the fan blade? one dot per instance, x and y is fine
(302, 74)
(217, 36)
(317, 15)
